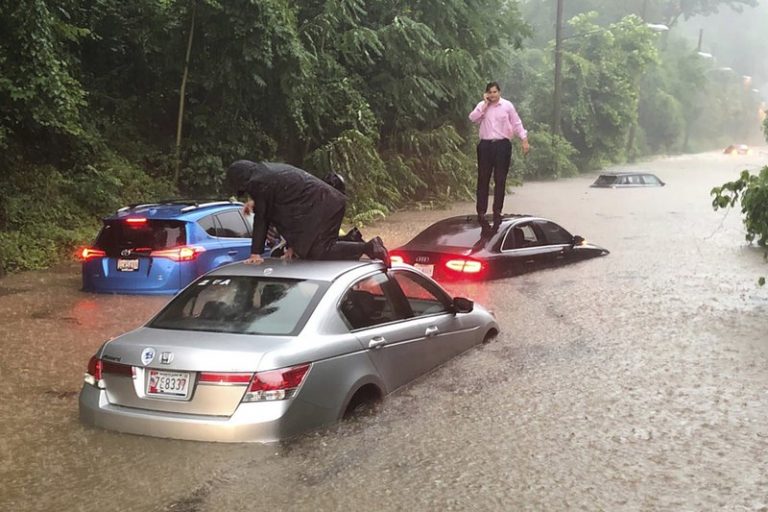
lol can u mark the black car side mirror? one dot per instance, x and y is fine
(578, 240)
(462, 305)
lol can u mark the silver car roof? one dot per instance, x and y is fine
(297, 269)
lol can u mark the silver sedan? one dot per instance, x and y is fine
(265, 352)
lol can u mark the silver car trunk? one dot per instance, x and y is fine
(131, 360)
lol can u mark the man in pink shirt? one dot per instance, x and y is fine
(498, 122)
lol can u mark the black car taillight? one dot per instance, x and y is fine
(464, 265)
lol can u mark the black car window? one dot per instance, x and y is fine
(232, 225)
(623, 180)
(424, 297)
(605, 180)
(208, 224)
(368, 303)
(450, 234)
(650, 179)
(521, 236)
(144, 234)
(553, 233)
(634, 179)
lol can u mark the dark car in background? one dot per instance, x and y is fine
(463, 248)
(159, 248)
(627, 179)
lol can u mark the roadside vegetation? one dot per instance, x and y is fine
(110, 102)
(752, 191)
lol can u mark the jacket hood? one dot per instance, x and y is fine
(241, 172)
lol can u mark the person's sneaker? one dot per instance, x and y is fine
(380, 252)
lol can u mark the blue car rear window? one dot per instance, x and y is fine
(243, 305)
(150, 235)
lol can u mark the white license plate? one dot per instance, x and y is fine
(427, 269)
(164, 383)
(127, 265)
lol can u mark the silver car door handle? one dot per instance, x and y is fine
(232, 253)
(530, 261)
(431, 331)
(377, 342)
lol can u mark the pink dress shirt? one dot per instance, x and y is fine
(498, 121)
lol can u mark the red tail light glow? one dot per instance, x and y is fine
(183, 253)
(98, 367)
(88, 253)
(276, 384)
(93, 374)
(136, 220)
(396, 258)
(465, 266)
(225, 378)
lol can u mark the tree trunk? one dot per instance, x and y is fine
(182, 93)
(558, 69)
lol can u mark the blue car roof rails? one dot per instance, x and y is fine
(210, 203)
(190, 204)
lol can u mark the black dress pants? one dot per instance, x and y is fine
(493, 158)
(327, 245)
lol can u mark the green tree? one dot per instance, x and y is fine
(600, 85)
(40, 97)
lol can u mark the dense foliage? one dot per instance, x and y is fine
(752, 191)
(91, 95)
(105, 102)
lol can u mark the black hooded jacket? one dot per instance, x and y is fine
(298, 204)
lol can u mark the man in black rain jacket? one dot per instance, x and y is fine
(306, 211)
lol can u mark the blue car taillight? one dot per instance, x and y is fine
(183, 253)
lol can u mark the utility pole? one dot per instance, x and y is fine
(558, 69)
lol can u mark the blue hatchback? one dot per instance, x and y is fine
(159, 248)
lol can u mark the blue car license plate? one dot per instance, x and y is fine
(127, 265)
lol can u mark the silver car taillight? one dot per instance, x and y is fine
(93, 374)
(98, 367)
(276, 384)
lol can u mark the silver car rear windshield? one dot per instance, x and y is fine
(243, 305)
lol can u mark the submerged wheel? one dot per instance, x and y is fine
(363, 401)
(490, 336)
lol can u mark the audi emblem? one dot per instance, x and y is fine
(422, 259)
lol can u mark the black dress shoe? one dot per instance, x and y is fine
(380, 252)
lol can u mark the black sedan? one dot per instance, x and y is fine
(463, 248)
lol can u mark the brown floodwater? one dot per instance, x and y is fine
(636, 381)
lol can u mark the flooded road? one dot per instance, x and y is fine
(637, 381)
